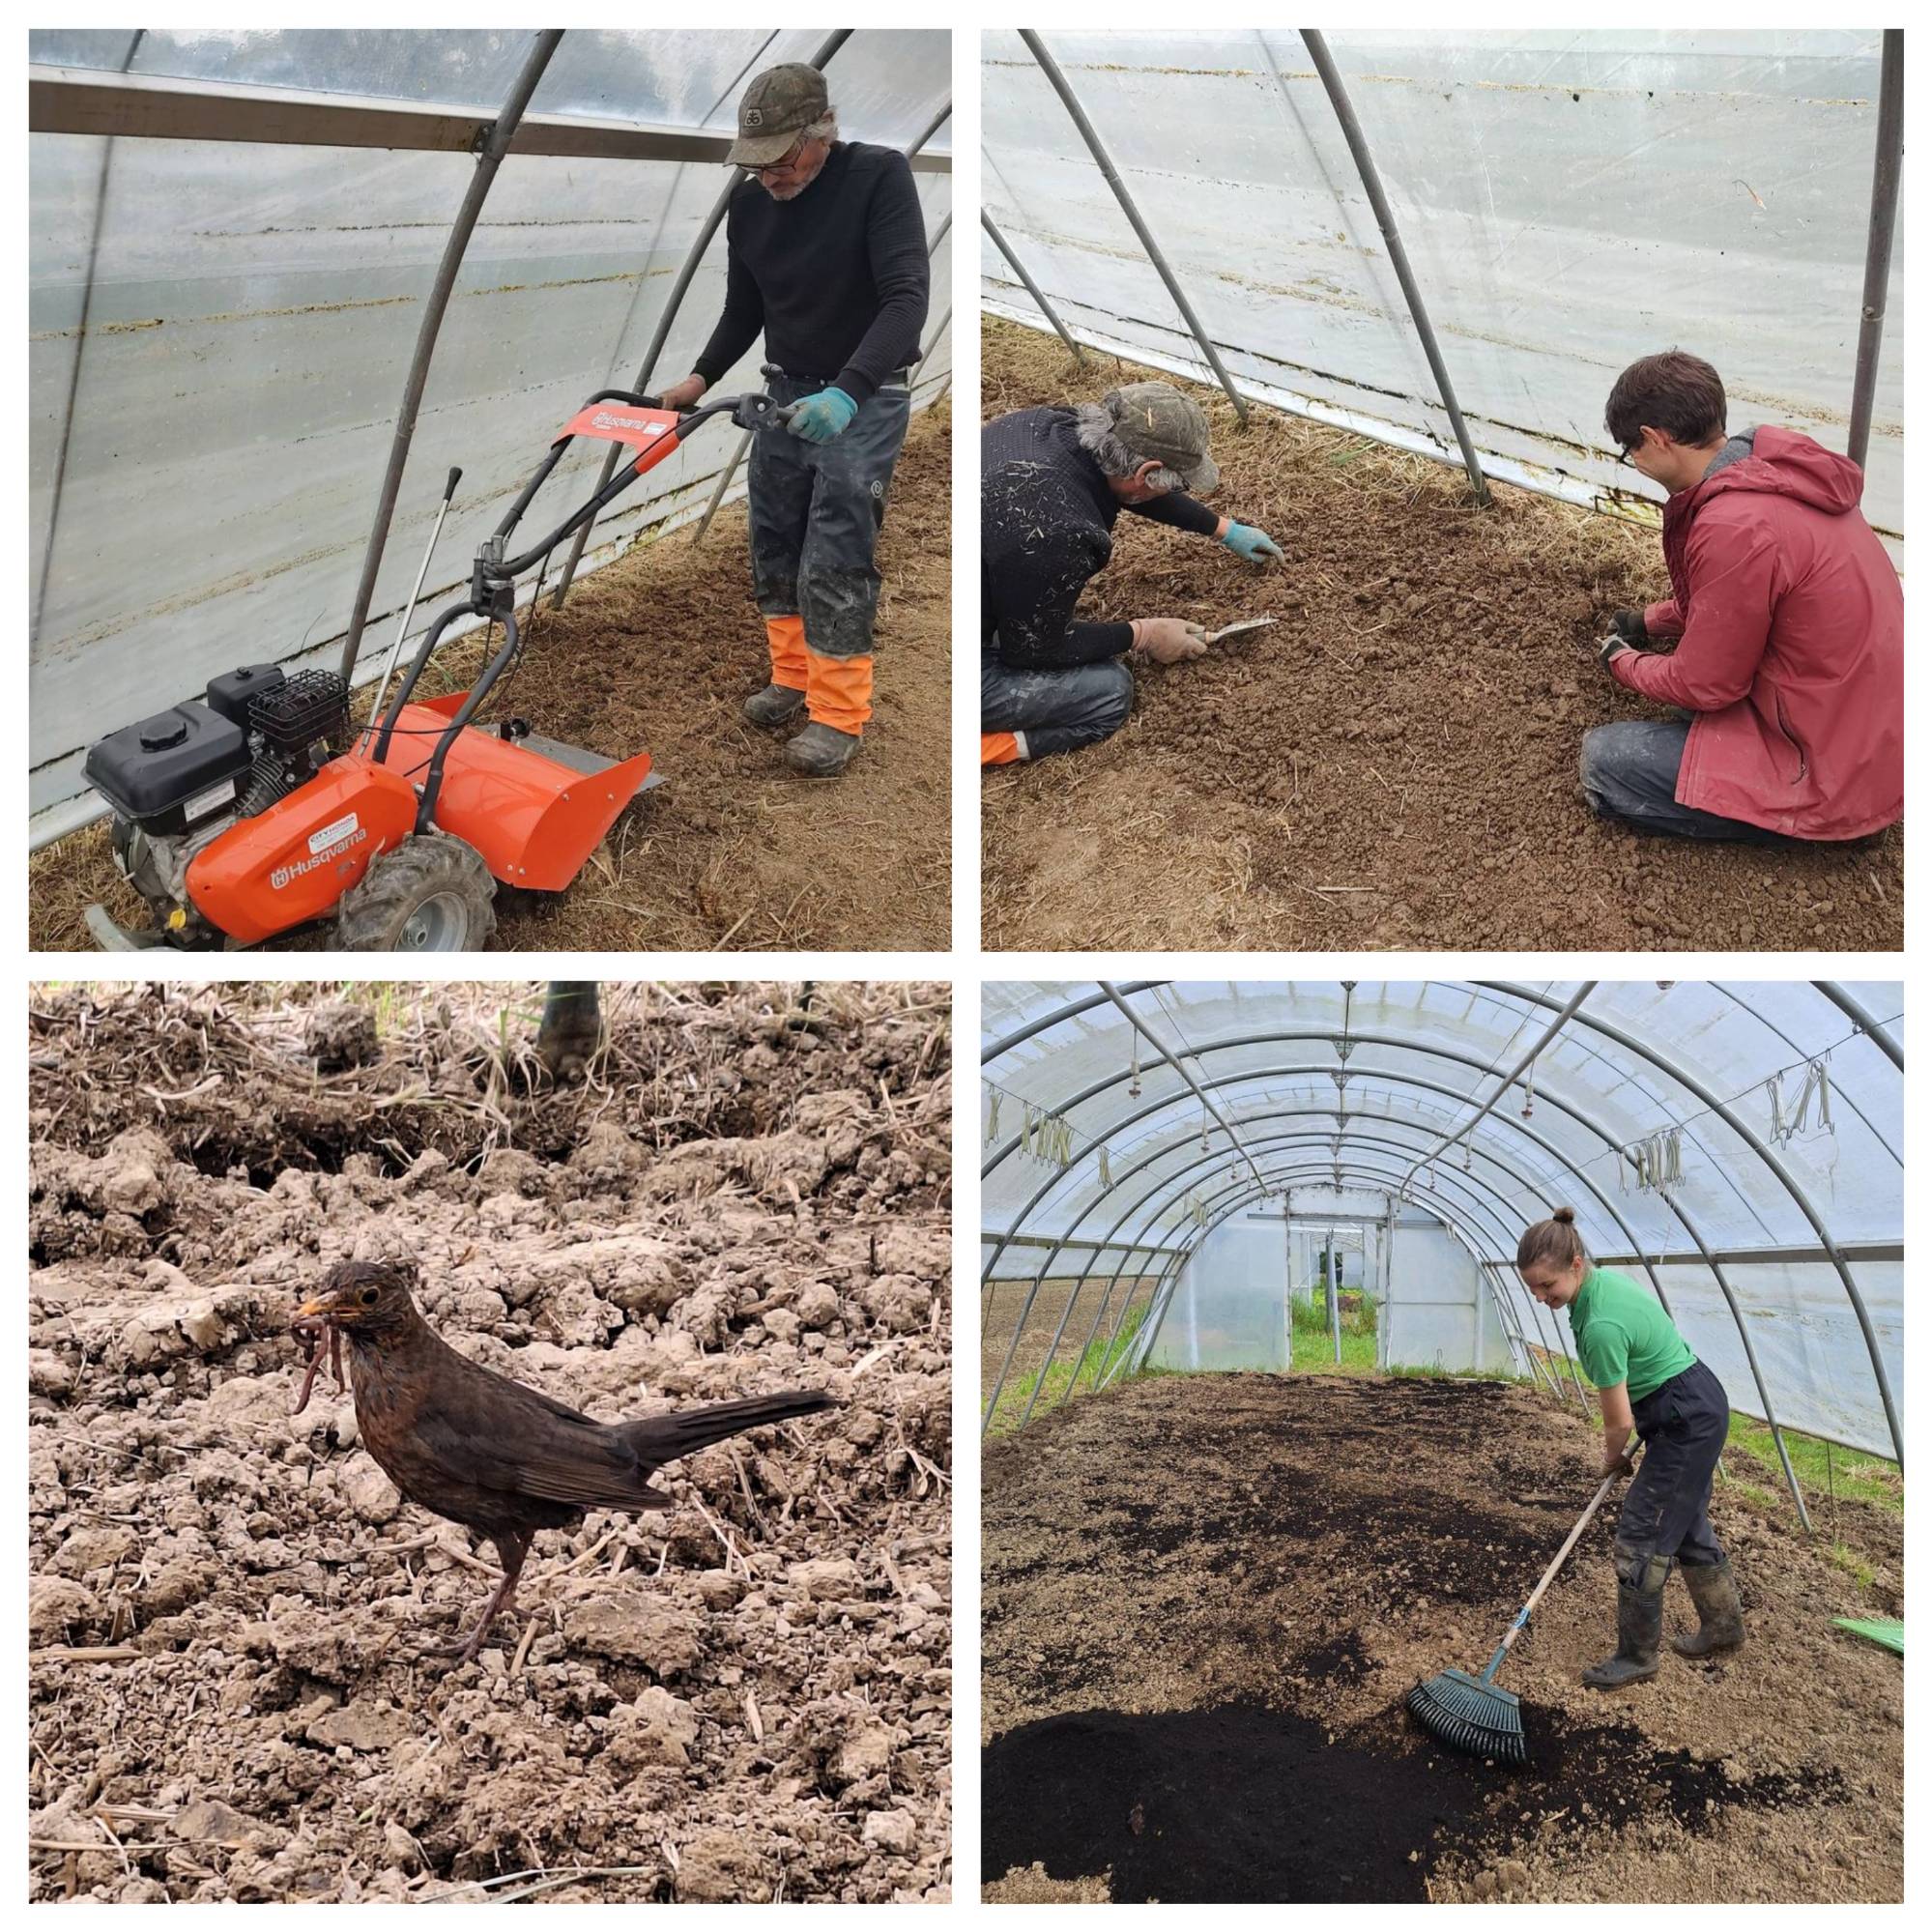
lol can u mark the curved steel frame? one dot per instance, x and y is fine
(1392, 240)
(1887, 159)
(1748, 1135)
(1525, 996)
(1160, 1154)
(1031, 287)
(1148, 1225)
(1342, 1134)
(117, 108)
(1239, 1194)
(1110, 174)
(489, 158)
(1323, 1173)
(1242, 1196)
(1479, 1210)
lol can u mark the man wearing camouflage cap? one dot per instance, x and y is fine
(825, 252)
(1051, 483)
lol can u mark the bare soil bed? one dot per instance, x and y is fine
(655, 652)
(744, 1697)
(1394, 765)
(1206, 1597)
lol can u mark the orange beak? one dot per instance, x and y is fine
(318, 1307)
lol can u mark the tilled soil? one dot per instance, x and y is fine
(744, 1697)
(1394, 765)
(1207, 1596)
(655, 652)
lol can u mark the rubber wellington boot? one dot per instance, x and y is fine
(822, 751)
(776, 705)
(1639, 1630)
(1720, 1617)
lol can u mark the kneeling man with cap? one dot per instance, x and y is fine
(1051, 483)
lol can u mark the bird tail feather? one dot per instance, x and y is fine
(664, 1438)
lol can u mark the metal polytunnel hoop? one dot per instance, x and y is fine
(1111, 1216)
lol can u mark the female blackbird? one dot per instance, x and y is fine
(487, 1452)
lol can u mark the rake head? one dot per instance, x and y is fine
(1466, 1715)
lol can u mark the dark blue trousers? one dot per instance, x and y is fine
(1665, 1516)
(1629, 771)
(816, 510)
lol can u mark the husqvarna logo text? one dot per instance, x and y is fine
(326, 843)
(604, 420)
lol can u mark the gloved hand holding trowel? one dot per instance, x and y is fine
(1053, 484)
(1174, 640)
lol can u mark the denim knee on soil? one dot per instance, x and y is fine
(1054, 711)
(1629, 772)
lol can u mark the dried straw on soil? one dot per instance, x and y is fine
(1206, 1597)
(655, 652)
(746, 1696)
(1394, 765)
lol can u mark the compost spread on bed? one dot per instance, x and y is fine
(746, 1696)
(1206, 1595)
(655, 652)
(1394, 763)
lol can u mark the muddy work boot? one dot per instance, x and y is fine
(1639, 1630)
(775, 705)
(1720, 1617)
(822, 751)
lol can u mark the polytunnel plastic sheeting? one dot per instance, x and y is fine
(1228, 1309)
(1638, 1058)
(253, 313)
(1804, 1332)
(1568, 201)
(666, 77)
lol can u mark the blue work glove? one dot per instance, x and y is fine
(821, 418)
(1250, 546)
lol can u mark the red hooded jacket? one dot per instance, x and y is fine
(1791, 623)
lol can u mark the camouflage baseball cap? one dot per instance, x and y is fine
(1156, 420)
(776, 108)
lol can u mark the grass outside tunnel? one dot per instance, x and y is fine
(1824, 1470)
(1069, 1377)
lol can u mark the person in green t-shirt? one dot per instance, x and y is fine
(1648, 1380)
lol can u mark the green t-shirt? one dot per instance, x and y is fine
(1622, 1335)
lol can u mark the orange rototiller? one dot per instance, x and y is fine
(258, 808)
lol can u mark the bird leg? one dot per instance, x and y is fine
(512, 1549)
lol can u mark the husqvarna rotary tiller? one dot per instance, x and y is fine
(259, 808)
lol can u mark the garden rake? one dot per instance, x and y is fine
(1469, 1713)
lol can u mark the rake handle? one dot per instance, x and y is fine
(1517, 1628)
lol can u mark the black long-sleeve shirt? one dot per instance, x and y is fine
(1046, 528)
(837, 277)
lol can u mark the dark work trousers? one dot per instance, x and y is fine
(1665, 1516)
(1629, 772)
(815, 511)
(1056, 709)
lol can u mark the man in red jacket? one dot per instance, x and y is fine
(1783, 637)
